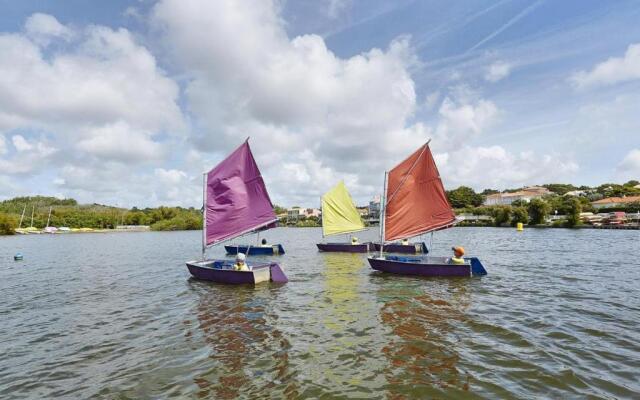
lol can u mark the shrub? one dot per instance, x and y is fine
(7, 224)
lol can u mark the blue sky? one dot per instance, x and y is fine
(127, 102)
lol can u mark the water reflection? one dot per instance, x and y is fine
(422, 352)
(250, 354)
(341, 288)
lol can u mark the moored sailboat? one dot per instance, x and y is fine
(340, 216)
(235, 203)
(415, 203)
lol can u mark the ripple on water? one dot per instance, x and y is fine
(117, 316)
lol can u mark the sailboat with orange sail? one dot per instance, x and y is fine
(415, 203)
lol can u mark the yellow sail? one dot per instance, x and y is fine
(339, 215)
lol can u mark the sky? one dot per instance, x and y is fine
(128, 102)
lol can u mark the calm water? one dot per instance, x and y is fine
(117, 316)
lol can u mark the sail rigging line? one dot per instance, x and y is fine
(404, 179)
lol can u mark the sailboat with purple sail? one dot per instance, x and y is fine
(415, 203)
(235, 203)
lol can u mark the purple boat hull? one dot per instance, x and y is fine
(345, 247)
(423, 266)
(412, 248)
(220, 271)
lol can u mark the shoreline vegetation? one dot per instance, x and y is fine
(557, 209)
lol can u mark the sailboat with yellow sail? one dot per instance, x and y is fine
(339, 217)
(415, 203)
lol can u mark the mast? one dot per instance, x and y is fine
(22, 216)
(204, 214)
(49, 217)
(33, 209)
(322, 217)
(382, 208)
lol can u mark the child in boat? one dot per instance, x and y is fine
(240, 264)
(458, 253)
(264, 243)
(354, 240)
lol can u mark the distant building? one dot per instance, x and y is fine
(615, 201)
(363, 211)
(312, 212)
(576, 193)
(374, 208)
(294, 213)
(526, 194)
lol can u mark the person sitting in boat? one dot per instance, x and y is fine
(354, 240)
(405, 242)
(458, 255)
(240, 264)
(263, 243)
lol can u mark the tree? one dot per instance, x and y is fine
(464, 196)
(501, 214)
(633, 207)
(538, 210)
(8, 224)
(573, 209)
(520, 214)
(560, 188)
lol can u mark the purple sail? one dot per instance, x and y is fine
(236, 200)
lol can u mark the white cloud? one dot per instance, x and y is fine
(43, 28)
(630, 164)
(3, 145)
(336, 6)
(20, 143)
(30, 156)
(290, 94)
(170, 176)
(104, 77)
(612, 71)
(495, 167)
(497, 71)
(460, 122)
(120, 142)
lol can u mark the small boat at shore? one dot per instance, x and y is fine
(340, 217)
(235, 203)
(415, 203)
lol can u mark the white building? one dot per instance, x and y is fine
(526, 194)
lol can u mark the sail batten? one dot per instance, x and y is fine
(339, 215)
(236, 199)
(417, 202)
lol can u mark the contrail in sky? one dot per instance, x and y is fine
(512, 21)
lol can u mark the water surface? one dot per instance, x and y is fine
(118, 316)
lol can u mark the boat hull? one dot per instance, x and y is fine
(412, 248)
(275, 249)
(421, 266)
(345, 247)
(220, 271)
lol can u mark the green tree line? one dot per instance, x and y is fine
(69, 213)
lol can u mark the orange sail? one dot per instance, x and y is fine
(416, 202)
